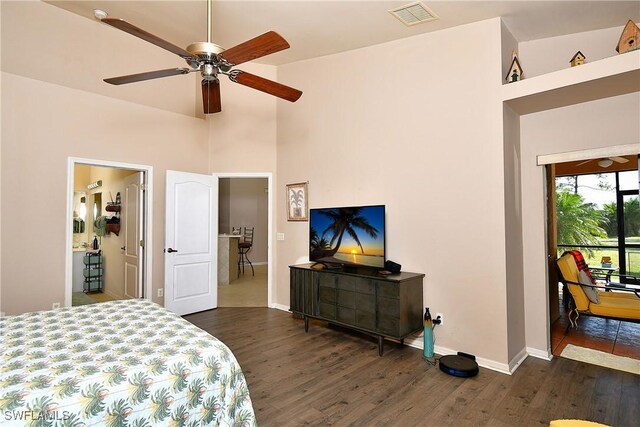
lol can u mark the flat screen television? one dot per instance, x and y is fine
(348, 236)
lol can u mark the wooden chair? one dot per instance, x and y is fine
(621, 304)
(243, 247)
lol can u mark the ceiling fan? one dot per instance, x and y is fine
(606, 162)
(211, 61)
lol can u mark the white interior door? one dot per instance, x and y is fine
(191, 232)
(132, 226)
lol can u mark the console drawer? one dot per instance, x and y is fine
(327, 295)
(327, 280)
(389, 307)
(388, 290)
(366, 303)
(388, 325)
(346, 299)
(346, 315)
(366, 287)
(365, 319)
(327, 310)
(347, 283)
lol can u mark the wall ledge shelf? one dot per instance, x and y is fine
(613, 76)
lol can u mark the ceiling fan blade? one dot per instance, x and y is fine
(265, 85)
(211, 96)
(582, 163)
(132, 78)
(260, 46)
(619, 159)
(123, 25)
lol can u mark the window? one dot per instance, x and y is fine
(599, 214)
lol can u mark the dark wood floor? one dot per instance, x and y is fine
(330, 376)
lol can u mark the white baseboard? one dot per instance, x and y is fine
(444, 351)
(504, 368)
(517, 361)
(115, 296)
(540, 354)
(279, 306)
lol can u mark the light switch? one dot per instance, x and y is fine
(279, 236)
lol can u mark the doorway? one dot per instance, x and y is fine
(108, 213)
(245, 205)
(593, 207)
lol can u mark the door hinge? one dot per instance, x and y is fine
(143, 187)
(142, 243)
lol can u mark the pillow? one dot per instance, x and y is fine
(591, 293)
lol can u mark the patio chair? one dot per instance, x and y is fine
(589, 299)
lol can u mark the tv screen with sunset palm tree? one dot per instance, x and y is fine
(348, 236)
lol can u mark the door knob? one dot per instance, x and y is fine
(170, 250)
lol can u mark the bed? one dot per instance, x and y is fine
(119, 363)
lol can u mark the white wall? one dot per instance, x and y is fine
(77, 52)
(410, 125)
(68, 111)
(514, 227)
(243, 136)
(43, 125)
(224, 201)
(554, 53)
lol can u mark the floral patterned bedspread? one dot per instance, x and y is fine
(119, 363)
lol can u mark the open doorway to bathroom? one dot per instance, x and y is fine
(106, 257)
(244, 217)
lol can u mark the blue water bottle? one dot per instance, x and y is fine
(428, 335)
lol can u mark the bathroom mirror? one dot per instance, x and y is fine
(79, 212)
(97, 207)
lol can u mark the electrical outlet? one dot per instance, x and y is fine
(160, 292)
(441, 316)
(279, 236)
(55, 305)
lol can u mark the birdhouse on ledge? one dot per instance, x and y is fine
(578, 59)
(515, 70)
(629, 39)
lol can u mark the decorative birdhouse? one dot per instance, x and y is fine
(578, 59)
(515, 70)
(629, 39)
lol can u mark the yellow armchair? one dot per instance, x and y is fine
(620, 304)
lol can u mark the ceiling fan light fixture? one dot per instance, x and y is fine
(100, 14)
(204, 49)
(605, 163)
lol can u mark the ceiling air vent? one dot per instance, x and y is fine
(413, 13)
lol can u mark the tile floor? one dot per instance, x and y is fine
(246, 291)
(80, 298)
(611, 336)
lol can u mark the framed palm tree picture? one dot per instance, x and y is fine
(297, 206)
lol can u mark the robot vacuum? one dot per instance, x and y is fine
(459, 365)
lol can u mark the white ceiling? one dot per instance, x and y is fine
(318, 28)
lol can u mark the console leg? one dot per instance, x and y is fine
(380, 345)
(306, 324)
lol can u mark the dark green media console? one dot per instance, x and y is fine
(383, 306)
